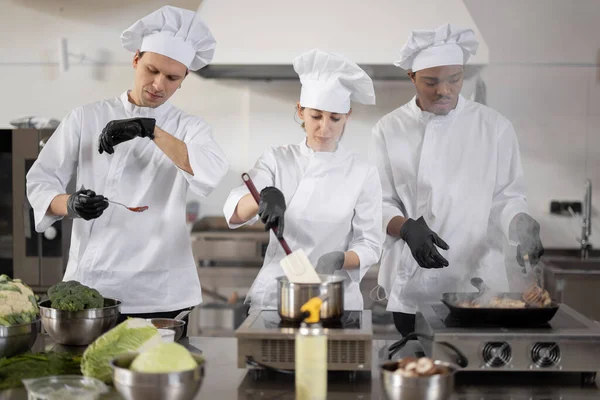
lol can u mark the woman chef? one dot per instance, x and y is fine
(138, 149)
(327, 195)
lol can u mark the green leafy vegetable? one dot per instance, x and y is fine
(132, 335)
(28, 365)
(164, 358)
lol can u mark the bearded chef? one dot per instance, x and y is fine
(452, 181)
(137, 149)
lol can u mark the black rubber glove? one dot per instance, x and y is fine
(122, 130)
(527, 231)
(422, 241)
(271, 209)
(330, 262)
(86, 204)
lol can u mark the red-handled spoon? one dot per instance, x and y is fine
(250, 185)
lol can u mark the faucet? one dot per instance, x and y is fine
(586, 226)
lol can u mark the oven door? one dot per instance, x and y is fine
(39, 259)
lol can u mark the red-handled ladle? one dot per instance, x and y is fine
(250, 185)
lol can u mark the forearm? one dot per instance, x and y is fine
(173, 148)
(518, 224)
(246, 210)
(394, 226)
(58, 206)
(351, 260)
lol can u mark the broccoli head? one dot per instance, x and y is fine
(63, 287)
(73, 296)
(90, 297)
(96, 300)
(70, 302)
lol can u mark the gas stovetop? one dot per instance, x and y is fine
(267, 339)
(569, 342)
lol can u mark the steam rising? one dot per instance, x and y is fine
(472, 266)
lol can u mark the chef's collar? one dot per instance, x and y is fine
(428, 116)
(307, 151)
(149, 112)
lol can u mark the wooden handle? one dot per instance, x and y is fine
(250, 185)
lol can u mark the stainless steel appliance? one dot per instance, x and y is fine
(215, 245)
(39, 259)
(268, 340)
(570, 343)
(216, 318)
(575, 282)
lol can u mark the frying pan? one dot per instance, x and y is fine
(525, 317)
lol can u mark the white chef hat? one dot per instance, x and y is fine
(445, 45)
(330, 81)
(173, 32)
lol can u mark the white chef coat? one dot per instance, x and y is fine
(143, 259)
(462, 173)
(332, 205)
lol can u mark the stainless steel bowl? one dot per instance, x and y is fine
(17, 339)
(79, 328)
(435, 387)
(134, 385)
(167, 323)
(292, 296)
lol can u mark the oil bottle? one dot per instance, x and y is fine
(311, 354)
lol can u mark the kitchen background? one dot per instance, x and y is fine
(539, 67)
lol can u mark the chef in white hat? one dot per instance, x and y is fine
(453, 185)
(140, 150)
(323, 191)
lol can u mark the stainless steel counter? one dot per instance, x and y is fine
(224, 381)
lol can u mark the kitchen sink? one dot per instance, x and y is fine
(574, 281)
(572, 265)
(569, 253)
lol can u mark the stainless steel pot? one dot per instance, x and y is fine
(291, 297)
(79, 328)
(133, 385)
(17, 339)
(435, 387)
